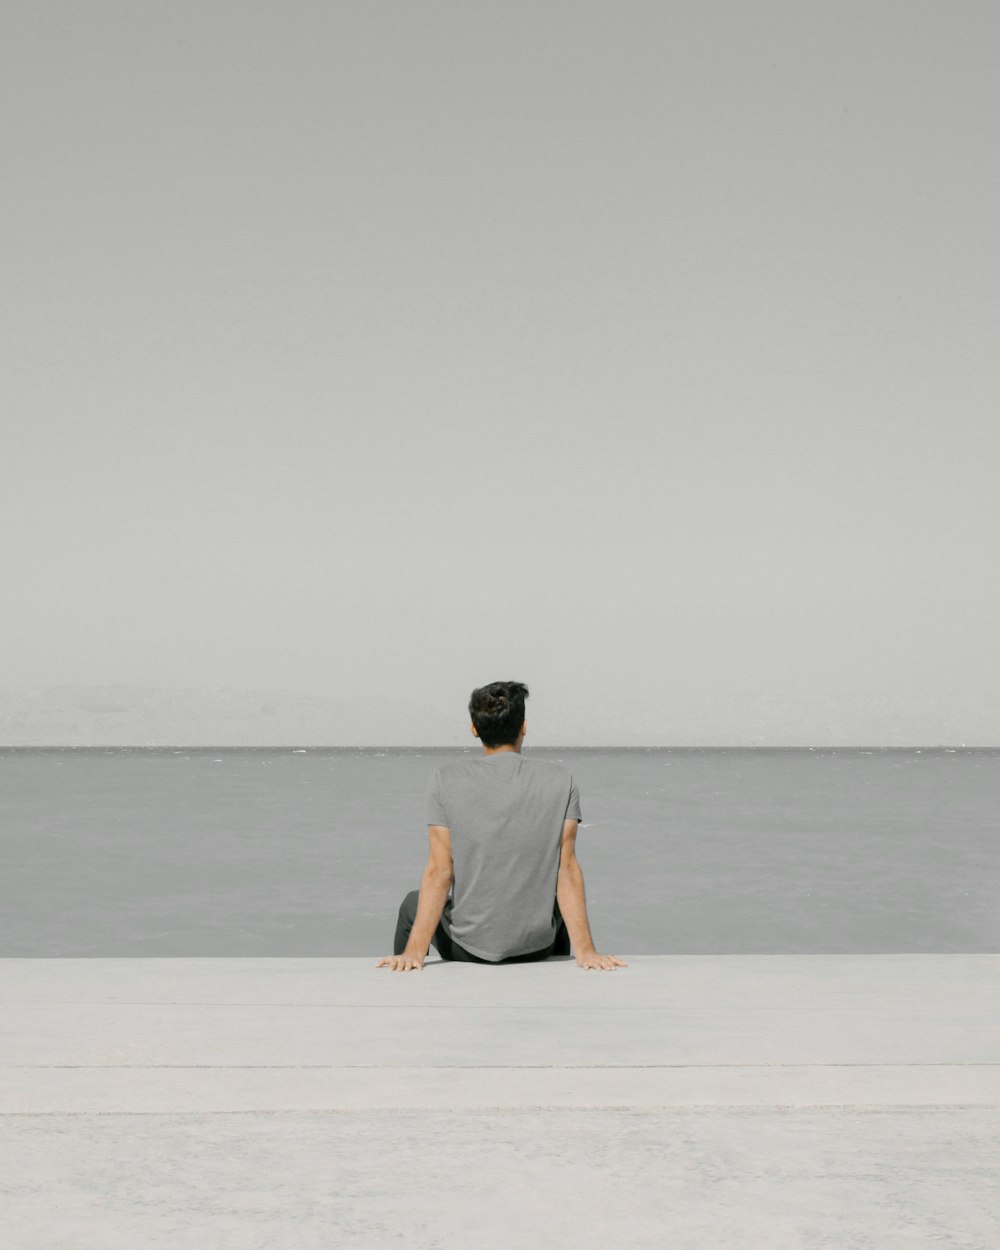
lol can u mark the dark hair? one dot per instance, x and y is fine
(497, 711)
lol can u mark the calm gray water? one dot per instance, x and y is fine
(684, 851)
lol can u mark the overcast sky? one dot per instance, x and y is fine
(643, 352)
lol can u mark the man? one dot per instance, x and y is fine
(519, 893)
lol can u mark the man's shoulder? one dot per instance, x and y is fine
(472, 764)
(473, 761)
(454, 767)
(457, 761)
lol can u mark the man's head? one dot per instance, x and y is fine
(497, 712)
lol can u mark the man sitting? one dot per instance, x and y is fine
(519, 892)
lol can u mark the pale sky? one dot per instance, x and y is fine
(645, 352)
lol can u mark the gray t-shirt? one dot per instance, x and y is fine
(505, 812)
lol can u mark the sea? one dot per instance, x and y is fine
(309, 851)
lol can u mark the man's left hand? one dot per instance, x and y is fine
(403, 963)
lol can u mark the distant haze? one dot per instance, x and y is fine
(358, 355)
(134, 716)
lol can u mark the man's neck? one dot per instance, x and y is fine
(498, 750)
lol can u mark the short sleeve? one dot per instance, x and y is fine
(436, 815)
(573, 806)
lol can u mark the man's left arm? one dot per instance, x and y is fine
(434, 887)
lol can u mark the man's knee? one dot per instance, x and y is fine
(410, 902)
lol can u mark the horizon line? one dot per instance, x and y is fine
(175, 746)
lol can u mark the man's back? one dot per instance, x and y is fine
(505, 812)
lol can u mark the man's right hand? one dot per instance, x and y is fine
(594, 959)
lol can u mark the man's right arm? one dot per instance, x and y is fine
(572, 900)
(570, 893)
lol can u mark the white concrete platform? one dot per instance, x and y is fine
(682, 1101)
